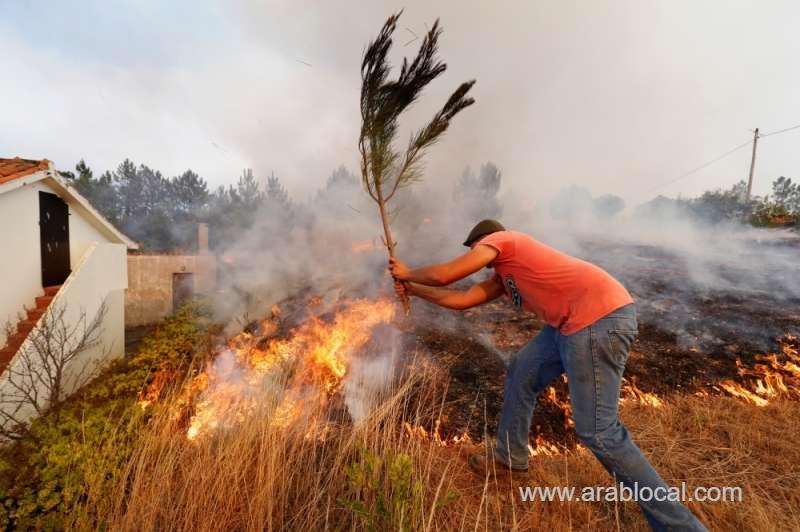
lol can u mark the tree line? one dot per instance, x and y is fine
(781, 208)
(161, 213)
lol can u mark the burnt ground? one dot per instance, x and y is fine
(718, 304)
(692, 336)
(475, 345)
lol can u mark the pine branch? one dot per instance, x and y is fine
(382, 103)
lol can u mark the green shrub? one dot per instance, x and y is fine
(81, 447)
(384, 495)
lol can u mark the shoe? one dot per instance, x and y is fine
(480, 465)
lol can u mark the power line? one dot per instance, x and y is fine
(779, 131)
(704, 165)
(720, 157)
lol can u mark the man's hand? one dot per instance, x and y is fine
(400, 271)
(401, 289)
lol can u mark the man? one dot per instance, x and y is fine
(590, 325)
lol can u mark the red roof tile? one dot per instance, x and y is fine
(13, 168)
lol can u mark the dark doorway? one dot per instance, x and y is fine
(182, 289)
(54, 239)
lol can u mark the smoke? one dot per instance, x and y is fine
(300, 246)
(707, 283)
(712, 285)
(369, 378)
(566, 94)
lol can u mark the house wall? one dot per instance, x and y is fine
(149, 295)
(99, 279)
(21, 266)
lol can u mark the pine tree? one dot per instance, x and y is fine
(786, 194)
(189, 193)
(105, 198)
(85, 178)
(383, 169)
(477, 194)
(276, 194)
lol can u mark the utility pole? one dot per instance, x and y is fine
(752, 167)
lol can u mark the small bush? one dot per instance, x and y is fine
(84, 446)
(371, 477)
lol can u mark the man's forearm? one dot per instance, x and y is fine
(477, 294)
(434, 275)
(444, 297)
(445, 273)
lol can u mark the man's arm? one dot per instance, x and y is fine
(448, 272)
(456, 299)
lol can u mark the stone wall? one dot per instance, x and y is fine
(149, 295)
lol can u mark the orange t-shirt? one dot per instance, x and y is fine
(567, 293)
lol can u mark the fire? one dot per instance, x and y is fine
(565, 406)
(737, 390)
(544, 448)
(776, 375)
(154, 390)
(306, 368)
(631, 391)
(418, 432)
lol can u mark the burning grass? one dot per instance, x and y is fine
(387, 473)
(773, 375)
(297, 457)
(288, 427)
(315, 358)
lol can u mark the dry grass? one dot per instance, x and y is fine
(265, 477)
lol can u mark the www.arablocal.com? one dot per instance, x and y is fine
(624, 493)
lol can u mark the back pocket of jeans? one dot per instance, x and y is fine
(620, 342)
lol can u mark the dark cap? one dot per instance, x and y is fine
(484, 227)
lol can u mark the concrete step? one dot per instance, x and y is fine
(24, 327)
(51, 290)
(5, 358)
(34, 313)
(13, 344)
(15, 340)
(43, 301)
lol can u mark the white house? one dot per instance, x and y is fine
(56, 251)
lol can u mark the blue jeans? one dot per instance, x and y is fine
(594, 359)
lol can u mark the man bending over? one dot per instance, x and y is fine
(590, 324)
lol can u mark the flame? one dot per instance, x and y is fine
(776, 375)
(317, 352)
(565, 406)
(544, 448)
(631, 391)
(154, 390)
(418, 432)
(737, 390)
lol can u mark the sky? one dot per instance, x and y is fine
(619, 97)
